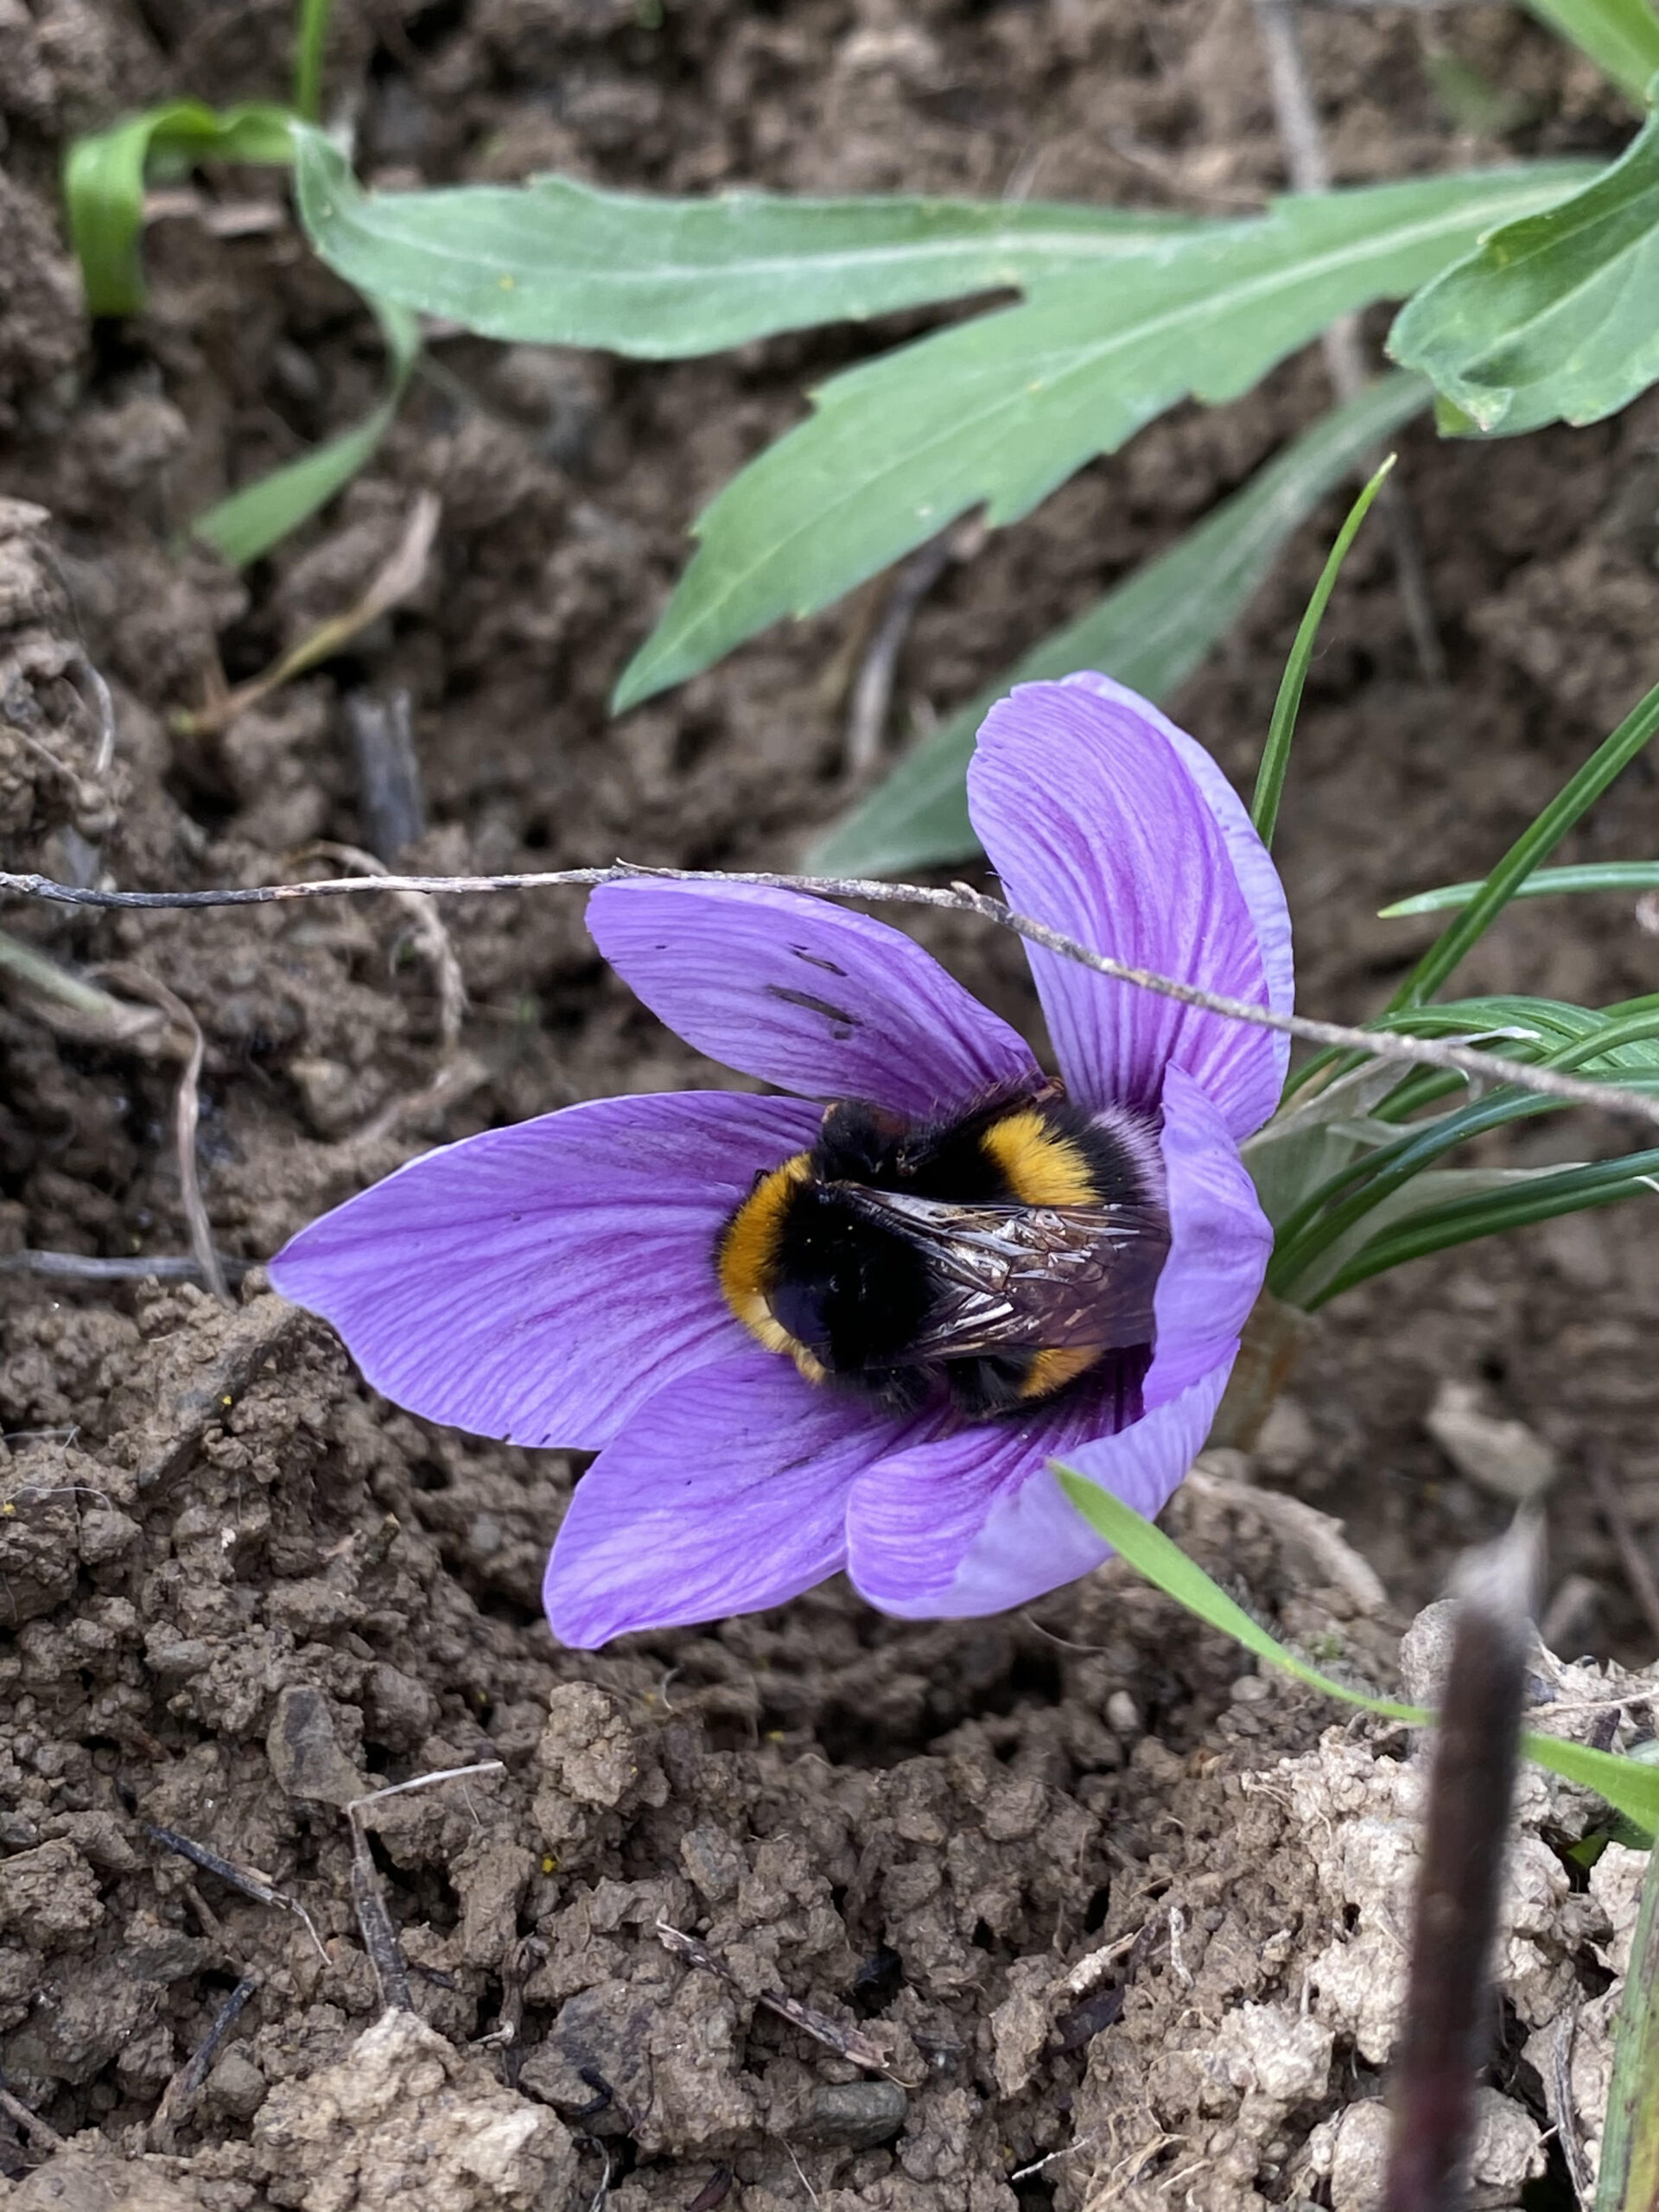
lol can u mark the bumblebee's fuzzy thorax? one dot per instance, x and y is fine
(996, 1256)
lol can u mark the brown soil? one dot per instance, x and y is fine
(235, 1591)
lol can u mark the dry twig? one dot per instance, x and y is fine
(1638, 1573)
(86, 1266)
(180, 2093)
(912, 579)
(396, 581)
(1481, 1068)
(186, 1112)
(850, 2043)
(426, 926)
(48, 2137)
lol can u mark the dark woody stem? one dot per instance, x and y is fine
(1480, 1067)
(1449, 1999)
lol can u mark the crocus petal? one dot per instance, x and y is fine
(1220, 1243)
(537, 1283)
(805, 995)
(1099, 819)
(727, 1493)
(976, 1523)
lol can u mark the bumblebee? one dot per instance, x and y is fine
(996, 1256)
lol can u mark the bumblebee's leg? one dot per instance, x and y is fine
(990, 1385)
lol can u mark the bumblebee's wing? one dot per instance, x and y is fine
(1013, 1277)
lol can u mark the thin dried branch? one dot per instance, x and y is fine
(48, 2137)
(179, 2097)
(85, 1266)
(186, 1112)
(428, 930)
(425, 1781)
(1309, 165)
(850, 2043)
(379, 1936)
(1480, 1067)
(390, 804)
(912, 579)
(1638, 1570)
(397, 580)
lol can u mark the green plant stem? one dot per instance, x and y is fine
(311, 37)
(1275, 756)
(1629, 2176)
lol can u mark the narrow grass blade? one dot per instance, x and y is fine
(310, 38)
(1629, 2177)
(103, 182)
(1542, 883)
(1565, 811)
(1539, 1198)
(1275, 757)
(1150, 632)
(1627, 1784)
(251, 521)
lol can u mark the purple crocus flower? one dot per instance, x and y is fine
(558, 1283)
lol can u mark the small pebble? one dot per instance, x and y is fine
(1122, 1713)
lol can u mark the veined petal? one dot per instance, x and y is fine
(1106, 821)
(1016, 1534)
(804, 994)
(919, 1519)
(1220, 1243)
(727, 1493)
(537, 1283)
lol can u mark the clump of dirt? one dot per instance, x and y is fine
(1087, 1910)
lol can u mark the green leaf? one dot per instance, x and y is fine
(1621, 37)
(1000, 409)
(1569, 1190)
(1151, 632)
(1281, 729)
(103, 182)
(254, 519)
(1630, 1785)
(310, 40)
(1542, 883)
(558, 263)
(1627, 2178)
(1536, 844)
(1555, 318)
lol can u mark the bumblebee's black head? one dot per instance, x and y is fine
(853, 1297)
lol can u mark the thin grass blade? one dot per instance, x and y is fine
(1275, 757)
(1628, 2180)
(103, 182)
(1565, 811)
(1627, 1784)
(248, 523)
(1542, 883)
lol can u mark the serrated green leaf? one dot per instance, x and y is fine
(103, 182)
(251, 521)
(1554, 317)
(999, 411)
(560, 263)
(1542, 883)
(1621, 37)
(1151, 633)
(1630, 1785)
